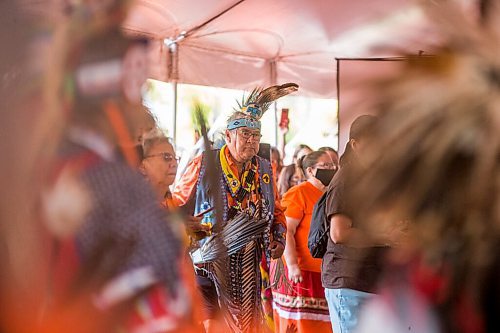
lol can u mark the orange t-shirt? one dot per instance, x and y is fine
(298, 203)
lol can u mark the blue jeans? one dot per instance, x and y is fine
(344, 305)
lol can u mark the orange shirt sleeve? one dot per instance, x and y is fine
(169, 204)
(293, 203)
(186, 185)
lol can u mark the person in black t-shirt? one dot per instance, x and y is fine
(352, 262)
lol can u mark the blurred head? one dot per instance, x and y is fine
(300, 151)
(146, 124)
(242, 142)
(359, 138)
(159, 163)
(276, 161)
(290, 176)
(106, 72)
(334, 155)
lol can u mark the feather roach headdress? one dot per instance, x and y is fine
(255, 104)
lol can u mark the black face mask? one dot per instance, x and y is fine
(325, 175)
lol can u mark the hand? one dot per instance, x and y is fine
(294, 273)
(283, 129)
(276, 249)
(195, 228)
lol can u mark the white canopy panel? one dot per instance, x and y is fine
(301, 37)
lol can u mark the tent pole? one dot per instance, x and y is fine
(274, 79)
(338, 104)
(173, 75)
(276, 133)
(198, 27)
(174, 116)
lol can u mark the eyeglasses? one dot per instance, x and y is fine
(167, 157)
(247, 135)
(330, 166)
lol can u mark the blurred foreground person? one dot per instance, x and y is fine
(302, 306)
(26, 129)
(247, 220)
(436, 162)
(111, 237)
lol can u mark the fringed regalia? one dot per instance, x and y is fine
(231, 255)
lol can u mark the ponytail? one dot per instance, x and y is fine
(299, 165)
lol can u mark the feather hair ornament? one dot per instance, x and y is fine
(259, 100)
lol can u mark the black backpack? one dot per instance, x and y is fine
(320, 229)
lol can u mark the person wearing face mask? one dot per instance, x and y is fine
(304, 305)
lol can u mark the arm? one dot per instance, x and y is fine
(291, 247)
(291, 250)
(338, 210)
(342, 232)
(186, 185)
(278, 227)
(183, 192)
